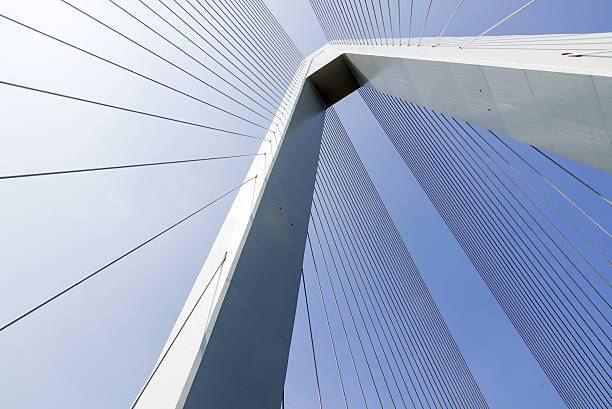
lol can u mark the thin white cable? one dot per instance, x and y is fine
(163, 356)
(410, 24)
(588, 53)
(492, 27)
(424, 23)
(447, 23)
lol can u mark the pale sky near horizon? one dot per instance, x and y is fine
(95, 347)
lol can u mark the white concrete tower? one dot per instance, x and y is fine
(230, 345)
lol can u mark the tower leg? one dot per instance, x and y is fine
(233, 351)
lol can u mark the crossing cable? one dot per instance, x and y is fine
(148, 50)
(475, 256)
(519, 202)
(424, 23)
(324, 212)
(436, 203)
(553, 207)
(331, 337)
(487, 282)
(138, 74)
(496, 24)
(491, 170)
(271, 28)
(357, 201)
(426, 363)
(282, 105)
(382, 205)
(552, 185)
(178, 332)
(537, 249)
(89, 276)
(502, 299)
(536, 222)
(348, 343)
(136, 165)
(281, 36)
(447, 23)
(142, 75)
(451, 229)
(89, 101)
(567, 240)
(562, 322)
(572, 175)
(314, 355)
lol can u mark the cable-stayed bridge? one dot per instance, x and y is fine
(482, 122)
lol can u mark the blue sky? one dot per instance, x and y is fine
(95, 347)
(501, 363)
